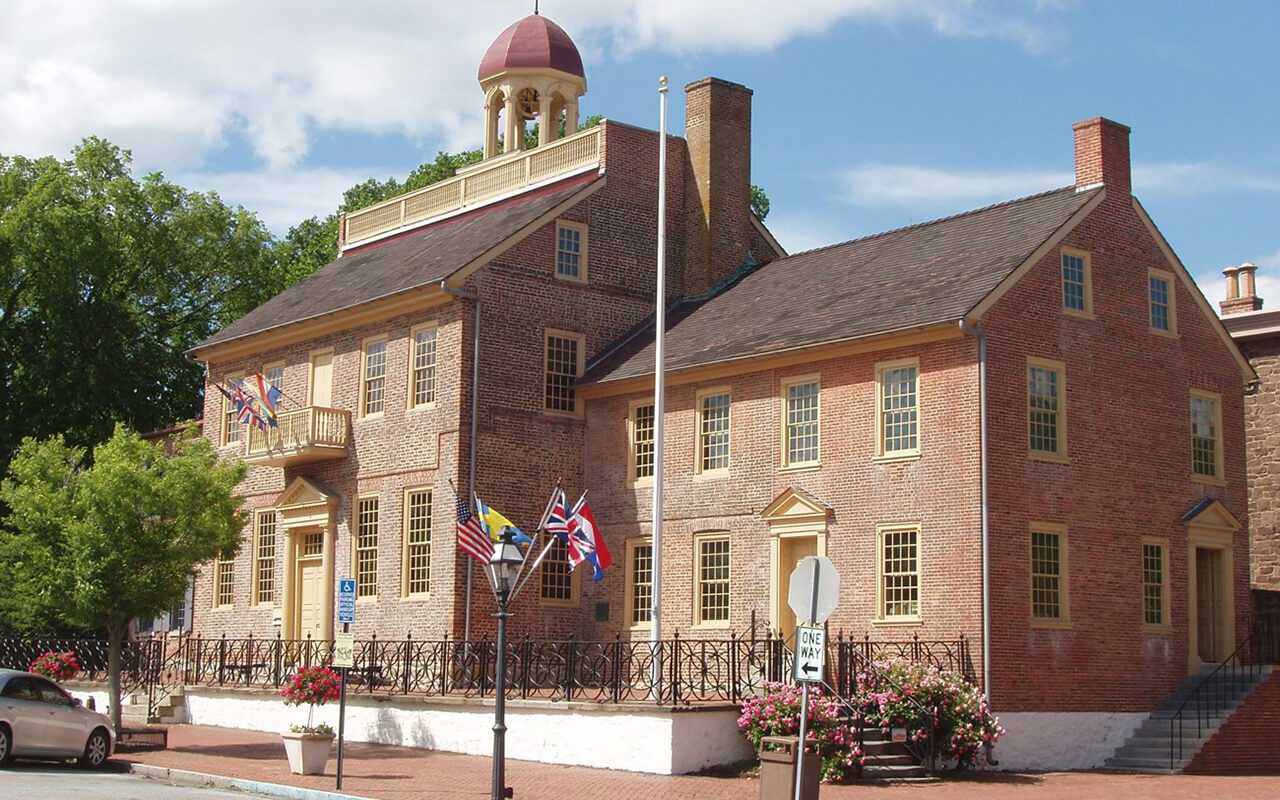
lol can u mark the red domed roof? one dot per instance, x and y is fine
(534, 42)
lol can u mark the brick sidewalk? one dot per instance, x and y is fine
(400, 773)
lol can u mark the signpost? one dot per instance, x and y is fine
(344, 655)
(812, 595)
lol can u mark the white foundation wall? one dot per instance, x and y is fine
(1037, 741)
(660, 741)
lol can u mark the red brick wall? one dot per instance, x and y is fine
(1247, 742)
(1129, 474)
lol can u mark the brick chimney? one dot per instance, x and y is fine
(717, 183)
(1102, 155)
(1242, 292)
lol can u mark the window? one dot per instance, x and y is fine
(898, 432)
(640, 581)
(1155, 583)
(713, 431)
(642, 433)
(1049, 573)
(1046, 417)
(800, 422)
(264, 558)
(899, 566)
(564, 365)
(571, 251)
(1206, 436)
(1076, 283)
(711, 562)
(417, 541)
(556, 580)
(422, 367)
(367, 547)
(230, 423)
(274, 373)
(224, 581)
(373, 382)
(312, 544)
(1161, 298)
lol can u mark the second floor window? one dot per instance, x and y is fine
(1160, 293)
(713, 432)
(642, 432)
(899, 410)
(423, 381)
(801, 423)
(1206, 433)
(1045, 420)
(571, 251)
(1076, 283)
(374, 390)
(563, 363)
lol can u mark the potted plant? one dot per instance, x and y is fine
(308, 745)
(58, 666)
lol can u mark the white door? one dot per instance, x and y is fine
(310, 599)
(322, 380)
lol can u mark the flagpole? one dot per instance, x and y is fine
(660, 324)
(546, 514)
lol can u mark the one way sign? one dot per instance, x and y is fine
(811, 653)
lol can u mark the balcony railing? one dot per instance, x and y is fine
(484, 181)
(307, 434)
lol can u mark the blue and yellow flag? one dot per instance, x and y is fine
(493, 522)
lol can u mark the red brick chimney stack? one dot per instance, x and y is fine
(1242, 292)
(718, 182)
(1102, 156)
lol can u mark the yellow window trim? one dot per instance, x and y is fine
(411, 382)
(1062, 456)
(364, 375)
(581, 228)
(698, 540)
(405, 566)
(898, 619)
(632, 408)
(1165, 625)
(896, 455)
(1216, 479)
(1063, 620)
(256, 582)
(1171, 281)
(219, 566)
(702, 394)
(783, 388)
(228, 414)
(575, 587)
(547, 334)
(355, 545)
(1083, 255)
(631, 546)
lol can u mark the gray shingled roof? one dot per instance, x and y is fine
(421, 259)
(898, 280)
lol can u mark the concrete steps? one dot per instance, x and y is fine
(887, 761)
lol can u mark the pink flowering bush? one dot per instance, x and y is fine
(963, 724)
(311, 686)
(777, 713)
(58, 666)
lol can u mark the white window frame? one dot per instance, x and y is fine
(411, 399)
(364, 375)
(904, 453)
(784, 392)
(881, 617)
(700, 435)
(699, 539)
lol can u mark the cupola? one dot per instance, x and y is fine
(531, 71)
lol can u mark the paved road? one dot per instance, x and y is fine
(45, 781)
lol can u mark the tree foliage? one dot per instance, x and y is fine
(104, 281)
(97, 546)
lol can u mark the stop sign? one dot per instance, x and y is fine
(815, 590)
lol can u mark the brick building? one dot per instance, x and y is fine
(1022, 424)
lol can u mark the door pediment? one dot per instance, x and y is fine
(1213, 514)
(796, 507)
(306, 502)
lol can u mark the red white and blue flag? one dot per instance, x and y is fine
(471, 536)
(578, 530)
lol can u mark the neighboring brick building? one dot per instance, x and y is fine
(1022, 424)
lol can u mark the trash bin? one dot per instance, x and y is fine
(778, 769)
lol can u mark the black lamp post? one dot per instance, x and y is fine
(503, 566)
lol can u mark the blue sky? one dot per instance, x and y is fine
(868, 114)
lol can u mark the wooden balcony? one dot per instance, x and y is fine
(302, 436)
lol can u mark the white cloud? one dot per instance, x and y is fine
(917, 186)
(1200, 177)
(799, 232)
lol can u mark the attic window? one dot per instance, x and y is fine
(571, 251)
(1077, 283)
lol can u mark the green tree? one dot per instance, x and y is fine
(105, 281)
(104, 544)
(759, 202)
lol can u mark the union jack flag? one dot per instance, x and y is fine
(471, 536)
(578, 531)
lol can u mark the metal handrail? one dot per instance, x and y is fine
(1208, 692)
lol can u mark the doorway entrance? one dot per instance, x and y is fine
(797, 528)
(1209, 622)
(306, 511)
(1211, 613)
(309, 610)
(792, 550)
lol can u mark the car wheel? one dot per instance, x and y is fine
(6, 745)
(95, 750)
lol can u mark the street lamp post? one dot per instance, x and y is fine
(503, 565)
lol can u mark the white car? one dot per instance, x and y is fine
(40, 720)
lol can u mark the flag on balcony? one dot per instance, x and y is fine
(266, 397)
(472, 538)
(493, 522)
(587, 538)
(243, 402)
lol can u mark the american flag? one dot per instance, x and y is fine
(471, 536)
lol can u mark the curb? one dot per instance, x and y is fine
(183, 777)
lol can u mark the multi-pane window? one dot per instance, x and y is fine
(640, 575)
(1075, 282)
(1153, 584)
(899, 410)
(713, 432)
(571, 251)
(417, 541)
(264, 558)
(373, 396)
(367, 547)
(556, 580)
(224, 581)
(230, 423)
(423, 379)
(312, 544)
(801, 422)
(899, 573)
(1206, 446)
(1048, 559)
(274, 375)
(1160, 294)
(642, 432)
(1045, 420)
(712, 579)
(563, 362)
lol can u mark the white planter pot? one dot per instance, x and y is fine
(308, 752)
